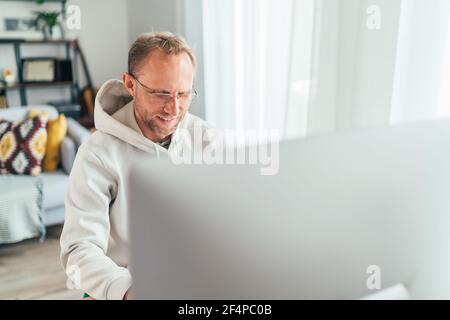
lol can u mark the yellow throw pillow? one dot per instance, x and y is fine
(56, 131)
(34, 113)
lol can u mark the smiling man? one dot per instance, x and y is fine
(141, 115)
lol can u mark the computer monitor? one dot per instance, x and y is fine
(347, 215)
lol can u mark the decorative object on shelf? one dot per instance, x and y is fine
(9, 76)
(19, 24)
(63, 70)
(38, 69)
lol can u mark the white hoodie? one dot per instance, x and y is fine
(94, 241)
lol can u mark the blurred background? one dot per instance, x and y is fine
(301, 66)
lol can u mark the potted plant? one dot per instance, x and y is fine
(47, 21)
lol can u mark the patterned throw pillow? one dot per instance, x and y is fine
(56, 132)
(22, 146)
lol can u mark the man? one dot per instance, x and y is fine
(138, 116)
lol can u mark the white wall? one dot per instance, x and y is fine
(151, 15)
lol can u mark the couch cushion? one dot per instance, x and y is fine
(20, 113)
(55, 184)
(68, 153)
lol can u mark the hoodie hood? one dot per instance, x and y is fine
(112, 97)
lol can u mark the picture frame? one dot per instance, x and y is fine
(38, 70)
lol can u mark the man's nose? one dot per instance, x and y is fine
(173, 106)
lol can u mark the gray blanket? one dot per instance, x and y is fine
(20, 208)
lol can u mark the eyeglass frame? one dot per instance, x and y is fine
(193, 92)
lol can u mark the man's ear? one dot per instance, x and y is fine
(128, 82)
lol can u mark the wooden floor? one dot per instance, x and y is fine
(32, 270)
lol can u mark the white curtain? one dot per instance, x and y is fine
(392, 75)
(307, 67)
(253, 78)
(422, 78)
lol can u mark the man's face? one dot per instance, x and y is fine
(158, 115)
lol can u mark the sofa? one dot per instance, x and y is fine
(54, 183)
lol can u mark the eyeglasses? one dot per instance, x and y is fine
(162, 98)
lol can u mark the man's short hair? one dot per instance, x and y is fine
(167, 42)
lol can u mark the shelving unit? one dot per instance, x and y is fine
(24, 86)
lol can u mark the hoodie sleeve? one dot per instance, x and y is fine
(85, 235)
